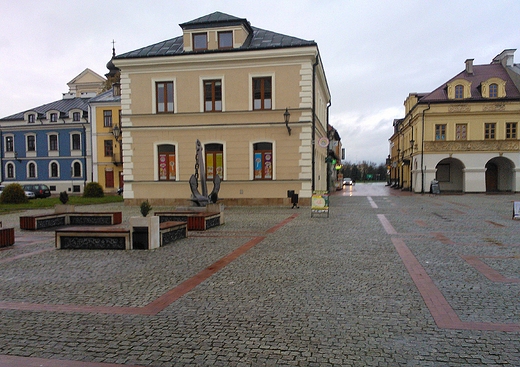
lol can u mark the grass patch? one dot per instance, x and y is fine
(52, 201)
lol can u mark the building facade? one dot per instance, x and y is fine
(51, 144)
(463, 134)
(257, 101)
(107, 160)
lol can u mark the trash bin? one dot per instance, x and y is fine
(434, 187)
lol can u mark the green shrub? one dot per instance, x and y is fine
(145, 208)
(93, 190)
(64, 197)
(13, 194)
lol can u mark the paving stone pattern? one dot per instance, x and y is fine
(306, 292)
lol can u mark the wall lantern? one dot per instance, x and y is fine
(116, 131)
(286, 117)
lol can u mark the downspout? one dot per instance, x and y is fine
(411, 158)
(422, 150)
(313, 184)
(84, 156)
(328, 168)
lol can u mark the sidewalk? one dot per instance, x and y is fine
(396, 280)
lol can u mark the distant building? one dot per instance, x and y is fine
(105, 118)
(228, 84)
(51, 144)
(463, 134)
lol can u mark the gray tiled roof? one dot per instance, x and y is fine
(107, 96)
(258, 39)
(63, 106)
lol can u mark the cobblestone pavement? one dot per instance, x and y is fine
(395, 280)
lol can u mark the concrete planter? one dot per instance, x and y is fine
(145, 232)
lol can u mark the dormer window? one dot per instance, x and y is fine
(76, 116)
(200, 41)
(459, 91)
(54, 117)
(493, 90)
(31, 118)
(225, 39)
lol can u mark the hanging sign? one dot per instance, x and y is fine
(323, 142)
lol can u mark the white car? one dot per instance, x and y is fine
(30, 194)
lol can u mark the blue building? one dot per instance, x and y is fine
(51, 144)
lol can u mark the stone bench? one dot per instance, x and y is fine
(43, 221)
(110, 238)
(197, 221)
(6, 237)
(93, 238)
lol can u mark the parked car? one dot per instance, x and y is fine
(348, 182)
(39, 190)
(29, 194)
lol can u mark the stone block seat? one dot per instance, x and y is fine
(116, 238)
(197, 221)
(6, 237)
(44, 221)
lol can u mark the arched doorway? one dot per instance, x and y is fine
(450, 174)
(499, 175)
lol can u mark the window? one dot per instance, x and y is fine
(262, 93)
(225, 39)
(107, 118)
(31, 118)
(53, 142)
(214, 160)
(166, 162)
(76, 142)
(54, 117)
(263, 161)
(9, 144)
(200, 41)
(164, 94)
(54, 170)
(510, 130)
(212, 95)
(459, 91)
(493, 90)
(31, 170)
(10, 170)
(440, 132)
(460, 131)
(489, 130)
(76, 169)
(109, 149)
(31, 143)
(76, 116)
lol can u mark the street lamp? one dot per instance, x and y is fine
(286, 117)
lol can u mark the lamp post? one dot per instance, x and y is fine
(286, 117)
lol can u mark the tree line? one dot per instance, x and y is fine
(364, 171)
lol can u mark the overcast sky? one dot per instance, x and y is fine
(374, 52)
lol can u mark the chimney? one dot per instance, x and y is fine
(469, 66)
(506, 58)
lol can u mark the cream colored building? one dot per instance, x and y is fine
(227, 84)
(463, 134)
